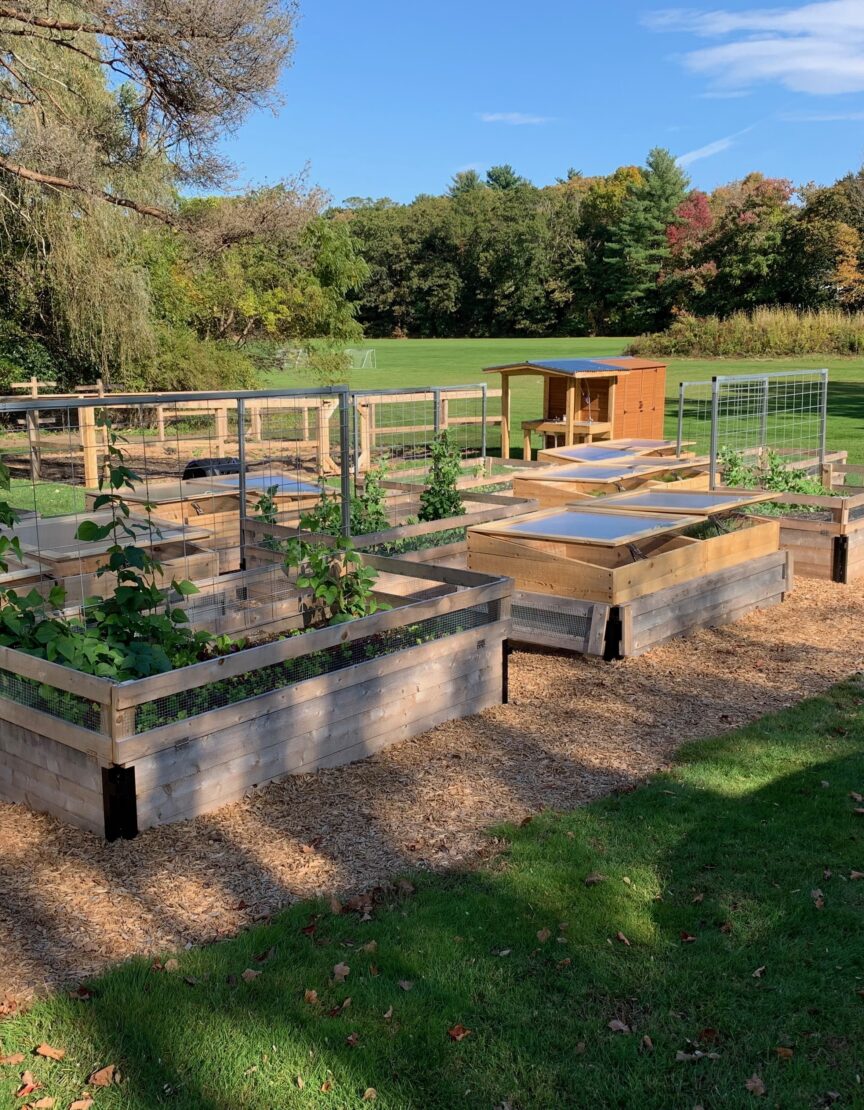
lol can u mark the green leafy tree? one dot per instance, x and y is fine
(639, 247)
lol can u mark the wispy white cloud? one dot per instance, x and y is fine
(515, 119)
(815, 48)
(710, 149)
(707, 151)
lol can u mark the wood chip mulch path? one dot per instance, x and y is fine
(575, 728)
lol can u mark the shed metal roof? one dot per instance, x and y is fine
(574, 366)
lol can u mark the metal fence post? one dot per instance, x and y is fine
(823, 417)
(680, 418)
(715, 409)
(763, 423)
(241, 455)
(483, 404)
(436, 420)
(345, 459)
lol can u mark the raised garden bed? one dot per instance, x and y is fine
(116, 757)
(619, 594)
(561, 485)
(421, 539)
(824, 533)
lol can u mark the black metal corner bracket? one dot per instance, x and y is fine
(840, 559)
(119, 804)
(612, 638)
(505, 671)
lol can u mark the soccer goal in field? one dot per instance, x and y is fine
(362, 358)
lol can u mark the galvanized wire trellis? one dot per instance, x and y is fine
(208, 466)
(204, 464)
(751, 417)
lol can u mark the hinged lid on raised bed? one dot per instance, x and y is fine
(615, 448)
(587, 526)
(54, 538)
(260, 483)
(618, 470)
(693, 502)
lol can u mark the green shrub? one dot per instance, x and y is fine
(763, 333)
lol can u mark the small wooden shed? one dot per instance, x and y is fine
(588, 398)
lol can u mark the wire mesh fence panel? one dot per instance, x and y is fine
(397, 428)
(755, 421)
(175, 477)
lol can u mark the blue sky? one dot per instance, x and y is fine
(392, 97)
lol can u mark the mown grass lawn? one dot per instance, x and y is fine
(732, 878)
(419, 363)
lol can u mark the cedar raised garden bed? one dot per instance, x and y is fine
(824, 533)
(116, 757)
(422, 540)
(621, 598)
(560, 485)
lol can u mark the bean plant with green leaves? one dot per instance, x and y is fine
(342, 585)
(770, 473)
(368, 508)
(266, 507)
(440, 498)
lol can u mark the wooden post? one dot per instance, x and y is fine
(221, 429)
(160, 423)
(365, 435)
(610, 409)
(89, 447)
(505, 416)
(570, 413)
(32, 422)
(255, 427)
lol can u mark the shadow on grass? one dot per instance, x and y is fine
(728, 849)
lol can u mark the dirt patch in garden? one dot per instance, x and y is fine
(575, 728)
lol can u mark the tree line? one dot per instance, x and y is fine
(620, 254)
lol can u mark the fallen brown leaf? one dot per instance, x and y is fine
(372, 946)
(618, 1026)
(681, 1057)
(458, 1033)
(687, 938)
(818, 898)
(755, 1085)
(326, 1087)
(352, 1040)
(341, 972)
(784, 1053)
(853, 875)
(299, 1082)
(369, 1095)
(543, 935)
(81, 1103)
(619, 936)
(647, 1043)
(264, 957)
(759, 972)
(29, 1084)
(12, 1059)
(310, 996)
(405, 888)
(388, 1014)
(406, 984)
(855, 796)
(47, 1103)
(104, 1077)
(49, 1052)
(171, 965)
(335, 906)
(249, 974)
(697, 898)
(594, 878)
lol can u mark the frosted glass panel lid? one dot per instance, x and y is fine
(624, 467)
(261, 482)
(687, 501)
(604, 528)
